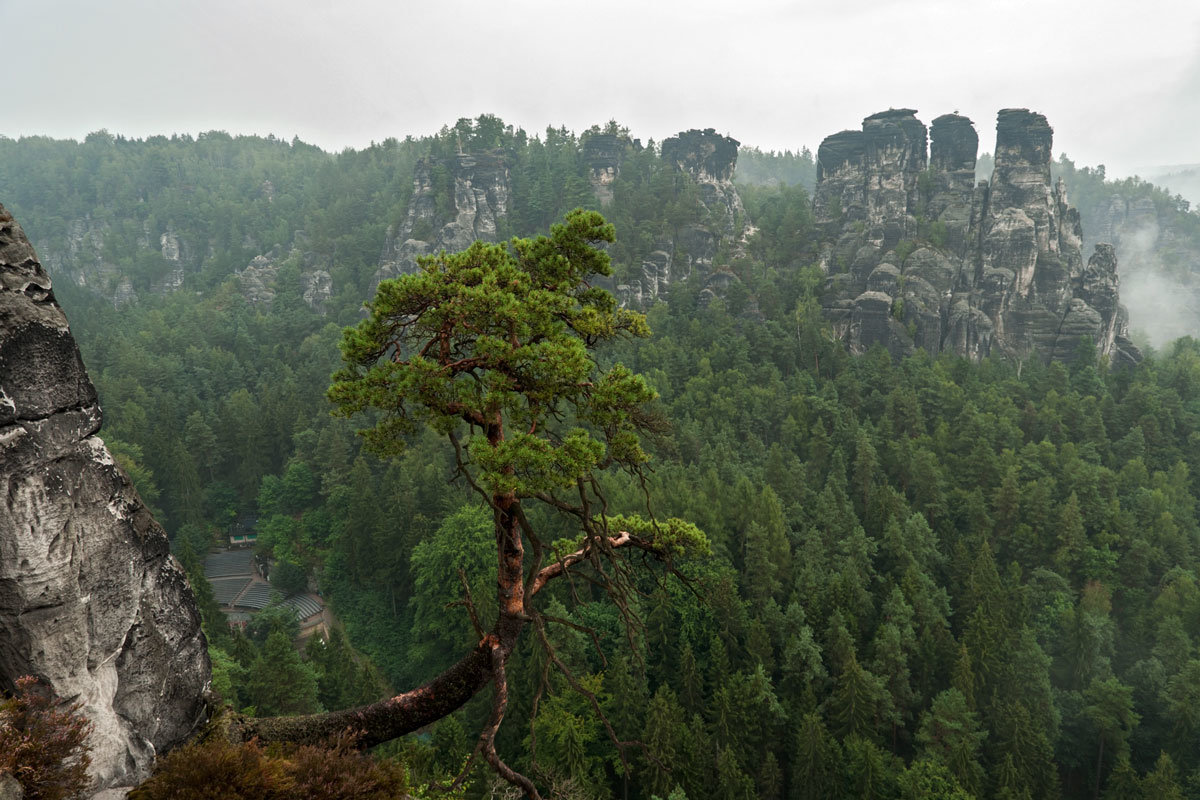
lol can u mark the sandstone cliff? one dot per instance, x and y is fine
(603, 154)
(1158, 246)
(81, 259)
(709, 160)
(918, 256)
(91, 601)
(259, 280)
(455, 201)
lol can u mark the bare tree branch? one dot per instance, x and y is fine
(488, 736)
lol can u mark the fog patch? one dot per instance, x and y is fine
(1163, 304)
(1183, 180)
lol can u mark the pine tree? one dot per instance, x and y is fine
(1072, 539)
(963, 679)
(759, 577)
(816, 763)
(769, 781)
(732, 782)
(1123, 782)
(718, 664)
(626, 705)
(664, 720)
(859, 702)
(1110, 710)
(869, 771)
(279, 682)
(929, 780)
(691, 683)
(1025, 750)
(866, 466)
(699, 759)
(1162, 783)
(950, 734)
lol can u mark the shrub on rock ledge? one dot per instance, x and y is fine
(43, 745)
(218, 769)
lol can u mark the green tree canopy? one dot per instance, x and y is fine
(492, 348)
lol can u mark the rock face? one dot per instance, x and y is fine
(455, 201)
(1160, 264)
(81, 259)
(918, 256)
(603, 153)
(259, 280)
(82, 262)
(91, 601)
(708, 159)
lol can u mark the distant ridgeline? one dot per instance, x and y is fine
(918, 255)
(914, 253)
(133, 219)
(467, 196)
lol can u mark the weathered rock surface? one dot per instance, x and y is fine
(953, 144)
(81, 259)
(91, 601)
(708, 159)
(259, 280)
(919, 256)
(455, 201)
(868, 179)
(603, 153)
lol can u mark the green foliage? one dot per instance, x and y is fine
(511, 330)
(462, 549)
(950, 734)
(279, 683)
(756, 167)
(929, 780)
(227, 675)
(905, 248)
(344, 678)
(288, 577)
(926, 575)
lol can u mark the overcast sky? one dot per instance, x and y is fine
(1119, 81)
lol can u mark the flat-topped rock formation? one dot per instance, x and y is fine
(917, 255)
(708, 159)
(603, 154)
(455, 201)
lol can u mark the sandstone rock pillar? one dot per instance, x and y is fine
(91, 601)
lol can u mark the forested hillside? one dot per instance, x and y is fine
(930, 578)
(1157, 239)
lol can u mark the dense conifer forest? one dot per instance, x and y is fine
(930, 578)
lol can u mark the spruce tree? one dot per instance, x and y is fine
(279, 682)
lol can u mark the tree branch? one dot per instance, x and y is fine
(623, 539)
(386, 719)
(469, 602)
(488, 736)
